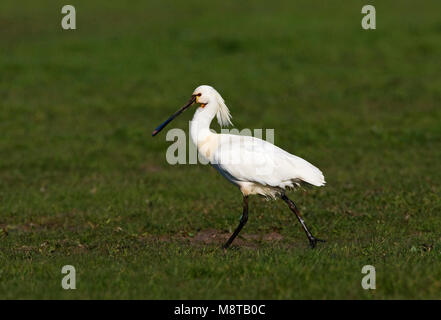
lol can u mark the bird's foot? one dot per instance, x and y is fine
(313, 241)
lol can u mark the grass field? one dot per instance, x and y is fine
(82, 182)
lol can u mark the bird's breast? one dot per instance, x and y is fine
(208, 145)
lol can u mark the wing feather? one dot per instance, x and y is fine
(246, 158)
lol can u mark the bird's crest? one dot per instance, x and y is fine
(223, 114)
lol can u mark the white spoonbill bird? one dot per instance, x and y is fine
(254, 165)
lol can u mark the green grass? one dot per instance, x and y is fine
(83, 183)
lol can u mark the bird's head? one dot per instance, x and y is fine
(210, 101)
(208, 97)
(205, 94)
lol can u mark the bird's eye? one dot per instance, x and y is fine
(199, 94)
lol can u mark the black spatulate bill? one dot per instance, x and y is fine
(177, 113)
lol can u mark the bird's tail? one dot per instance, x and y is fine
(308, 172)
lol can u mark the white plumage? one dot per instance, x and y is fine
(254, 165)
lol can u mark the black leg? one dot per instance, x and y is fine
(243, 221)
(312, 240)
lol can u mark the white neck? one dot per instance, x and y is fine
(200, 125)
